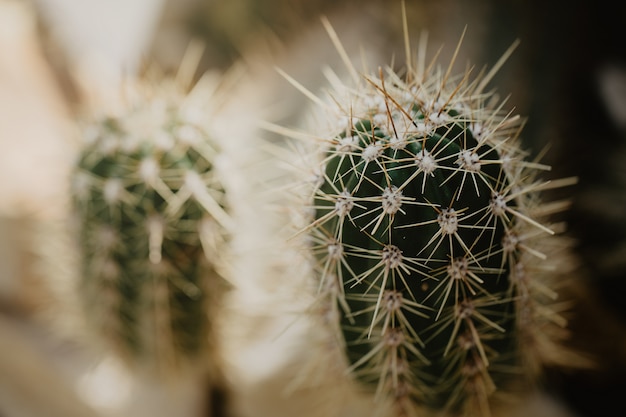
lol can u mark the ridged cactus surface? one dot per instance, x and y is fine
(151, 214)
(428, 242)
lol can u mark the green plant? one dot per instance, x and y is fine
(434, 266)
(152, 217)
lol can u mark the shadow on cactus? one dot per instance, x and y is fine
(430, 244)
(152, 219)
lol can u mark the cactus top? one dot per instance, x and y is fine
(423, 216)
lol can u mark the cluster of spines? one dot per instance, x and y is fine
(151, 214)
(422, 234)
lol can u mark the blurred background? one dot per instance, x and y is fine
(568, 77)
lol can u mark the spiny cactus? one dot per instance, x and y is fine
(152, 217)
(431, 259)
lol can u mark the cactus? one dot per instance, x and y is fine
(152, 218)
(432, 264)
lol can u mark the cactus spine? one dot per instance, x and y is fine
(152, 216)
(427, 239)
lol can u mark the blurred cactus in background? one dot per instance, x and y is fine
(152, 217)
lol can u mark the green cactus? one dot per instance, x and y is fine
(427, 242)
(152, 216)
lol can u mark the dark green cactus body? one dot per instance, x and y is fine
(436, 277)
(146, 202)
(413, 228)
